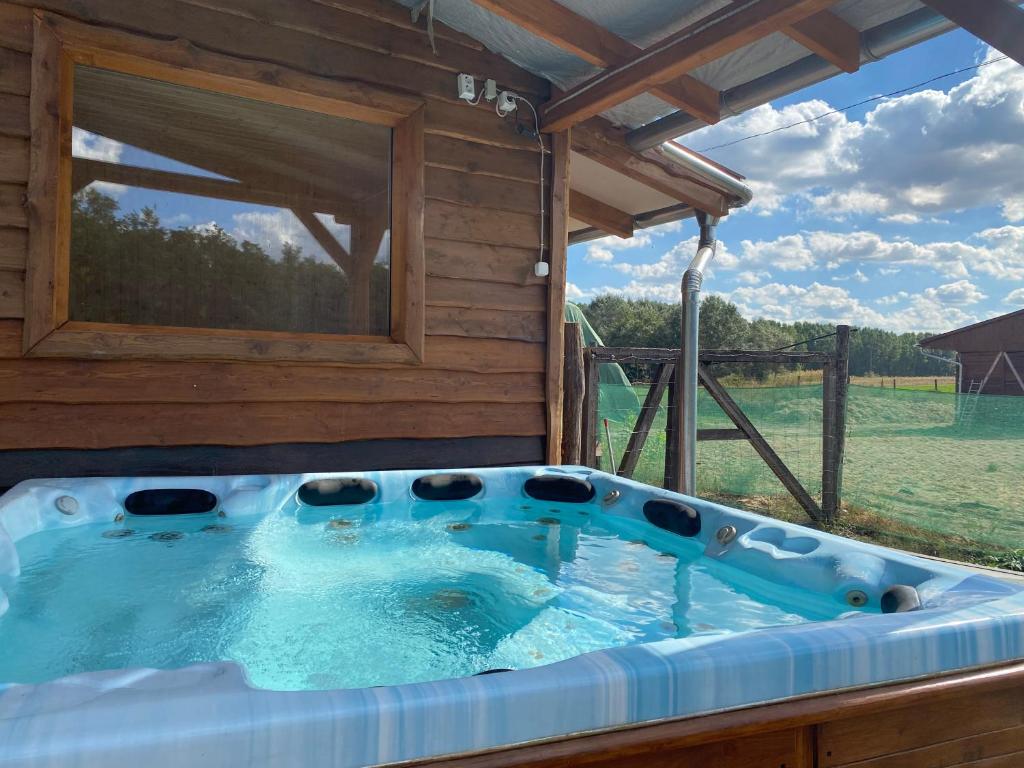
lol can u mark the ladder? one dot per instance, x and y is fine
(970, 401)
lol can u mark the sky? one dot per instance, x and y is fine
(905, 214)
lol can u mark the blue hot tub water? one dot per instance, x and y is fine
(315, 599)
(268, 632)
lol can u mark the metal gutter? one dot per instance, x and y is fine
(875, 44)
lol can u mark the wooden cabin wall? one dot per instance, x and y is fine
(486, 315)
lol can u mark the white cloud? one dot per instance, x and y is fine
(597, 254)
(750, 277)
(832, 304)
(960, 293)
(895, 298)
(272, 230)
(1015, 297)
(912, 156)
(573, 292)
(91, 146)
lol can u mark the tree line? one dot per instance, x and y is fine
(646, 323)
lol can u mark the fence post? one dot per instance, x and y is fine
(672, 482)
(574, 388)
(588, 430)
(832, 473)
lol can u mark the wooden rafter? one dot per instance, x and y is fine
(599, 141)
(602, 216)
(1000, 23)
(577, 34)
(830, 37)
(677, 55)
(326, 239)
(84, 172)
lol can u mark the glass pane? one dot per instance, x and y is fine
(196, 209)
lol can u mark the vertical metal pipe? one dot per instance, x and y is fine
(686, 403)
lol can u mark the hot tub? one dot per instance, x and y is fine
(357, 619)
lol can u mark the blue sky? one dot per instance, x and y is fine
(905, 214)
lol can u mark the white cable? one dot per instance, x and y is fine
(540, 142)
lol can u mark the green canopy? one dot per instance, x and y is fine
(617, 394)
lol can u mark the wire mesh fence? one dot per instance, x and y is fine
(928, 471)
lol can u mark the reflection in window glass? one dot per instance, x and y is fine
(196, 209)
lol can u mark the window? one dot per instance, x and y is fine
(200, 212)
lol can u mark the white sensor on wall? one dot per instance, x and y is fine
(467, 88)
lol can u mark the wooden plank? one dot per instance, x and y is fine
(10, 338)
(12, 207)
(445, 221)
(1000, 23)
(681, 52)
(830, 37)
(577, 34)
(671, 481)
(649, 409)
(573, 388)
(374, 33)
(355, 456)
(31, 425)
(852, 740)
(486, 323)
(600, 215)
(603, 144)
(49, 193)
(16, 27)
(13, 248)
(12, 294)
(15, 72)
(480, 261)
(14, 161)
(764, 450)
(707, 356)
(408, 309)
(557, 256)
(721, 434)
(463, 121)
(591, 396)
(137, 381)
(249, 78)
(215, 33)
(14, 115)
(398, 16)
(994, 749)
(484, 191)
(477, 158)
(449, 292)
(635, 746)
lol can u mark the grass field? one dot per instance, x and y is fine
(913, 477)
(945, 384)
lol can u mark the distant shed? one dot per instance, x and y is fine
(991, 354)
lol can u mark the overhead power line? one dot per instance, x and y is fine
(854, 106)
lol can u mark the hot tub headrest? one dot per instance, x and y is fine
(448, 486)
(170, 501)
(337, 491)
(673, 516)
(574, 490)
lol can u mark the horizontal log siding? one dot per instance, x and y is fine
(486, 312)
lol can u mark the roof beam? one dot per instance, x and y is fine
(1000, 23)
(830, 37)
(591, 42)
(598, 140)
(676, 55)
(602, 216)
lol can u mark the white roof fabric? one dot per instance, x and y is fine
(644, 23)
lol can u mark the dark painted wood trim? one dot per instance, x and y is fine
(359, 455)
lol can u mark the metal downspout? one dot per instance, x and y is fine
(686, 412)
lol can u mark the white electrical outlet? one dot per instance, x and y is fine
(467, 87)
(506, 103)
(541, 269)
(490, 89)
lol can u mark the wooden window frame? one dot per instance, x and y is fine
(60, 44)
